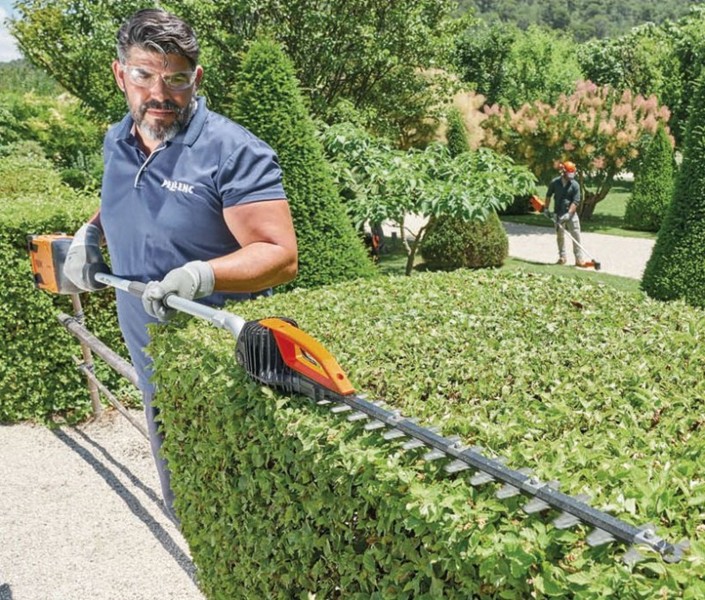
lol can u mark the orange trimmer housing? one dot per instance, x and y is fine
(47, 254)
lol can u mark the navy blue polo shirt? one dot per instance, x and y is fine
(565, 194)
(162, 211)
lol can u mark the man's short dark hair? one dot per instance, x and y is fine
(156, 30)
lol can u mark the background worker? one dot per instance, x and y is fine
(567, 194)
(191, 202)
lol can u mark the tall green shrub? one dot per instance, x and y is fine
(676, 268)
(267, 100)
(457, 133)
(653, 186)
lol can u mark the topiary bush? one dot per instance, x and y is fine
(676, 268)
(457, 133)
(281, 499)
(38, 378)
(267, 100)
(452, 244)
(653, 185)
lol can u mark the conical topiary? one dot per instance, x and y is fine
(457, 133)
(267, 101)
(653, 185)
(676, 268)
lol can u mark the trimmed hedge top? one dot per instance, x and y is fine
(600, 390)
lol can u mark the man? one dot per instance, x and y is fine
(191, 202)
(567, 193)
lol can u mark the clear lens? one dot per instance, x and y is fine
(145, 78)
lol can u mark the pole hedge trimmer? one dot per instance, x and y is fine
(275, 352)
(540, 207)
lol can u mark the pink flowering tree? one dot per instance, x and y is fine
(600, 130)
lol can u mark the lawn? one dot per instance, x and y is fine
(608, 219)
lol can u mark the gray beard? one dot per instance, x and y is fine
(167, 132)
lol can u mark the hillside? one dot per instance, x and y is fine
(586, 19)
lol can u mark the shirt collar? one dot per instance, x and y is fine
(187, 136)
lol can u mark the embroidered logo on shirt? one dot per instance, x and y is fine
(177, 186)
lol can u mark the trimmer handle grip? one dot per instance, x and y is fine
(136, 288)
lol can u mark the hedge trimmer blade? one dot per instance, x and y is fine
(256, 353)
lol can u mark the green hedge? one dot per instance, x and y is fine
(38, 378)
(281, 499)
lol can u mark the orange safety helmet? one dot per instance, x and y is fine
(568, 167)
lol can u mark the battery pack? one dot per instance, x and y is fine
(48, 254)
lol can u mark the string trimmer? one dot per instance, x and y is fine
(277, 353)
(540, 207)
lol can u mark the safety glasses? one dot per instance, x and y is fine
(144, 78)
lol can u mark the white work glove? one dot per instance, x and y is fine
(564, 218)
(194, 280)
(84, 259)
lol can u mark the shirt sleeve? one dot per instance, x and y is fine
(252, 173)
(576, 194)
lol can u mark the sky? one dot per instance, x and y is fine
(8, 49)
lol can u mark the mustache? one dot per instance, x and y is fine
(166, 105)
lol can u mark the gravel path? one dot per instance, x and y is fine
(80, 513)
(617, 255)
(81, 519)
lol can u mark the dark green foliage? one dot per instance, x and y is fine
(653, 185)
(267, 101)
(584, 20)
(280, 499)
(457, 133)
(375, 54)
(452, 244)
(521, 205)
(38, 378)
(676, 268)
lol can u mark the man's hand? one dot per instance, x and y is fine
(194, 280)
(564, 218)
(84, 259)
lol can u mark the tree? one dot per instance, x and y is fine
(653, 185)
(384, 184)
(643, 61)
(597, 128)
(267, 101)
(510, 67)
(676, 269)
(481, 55)
(370, 52)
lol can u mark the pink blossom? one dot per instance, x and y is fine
(607, 127)
(650, 124)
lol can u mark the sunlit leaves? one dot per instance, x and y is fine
(566, 376)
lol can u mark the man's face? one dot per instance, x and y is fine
(160, 91)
